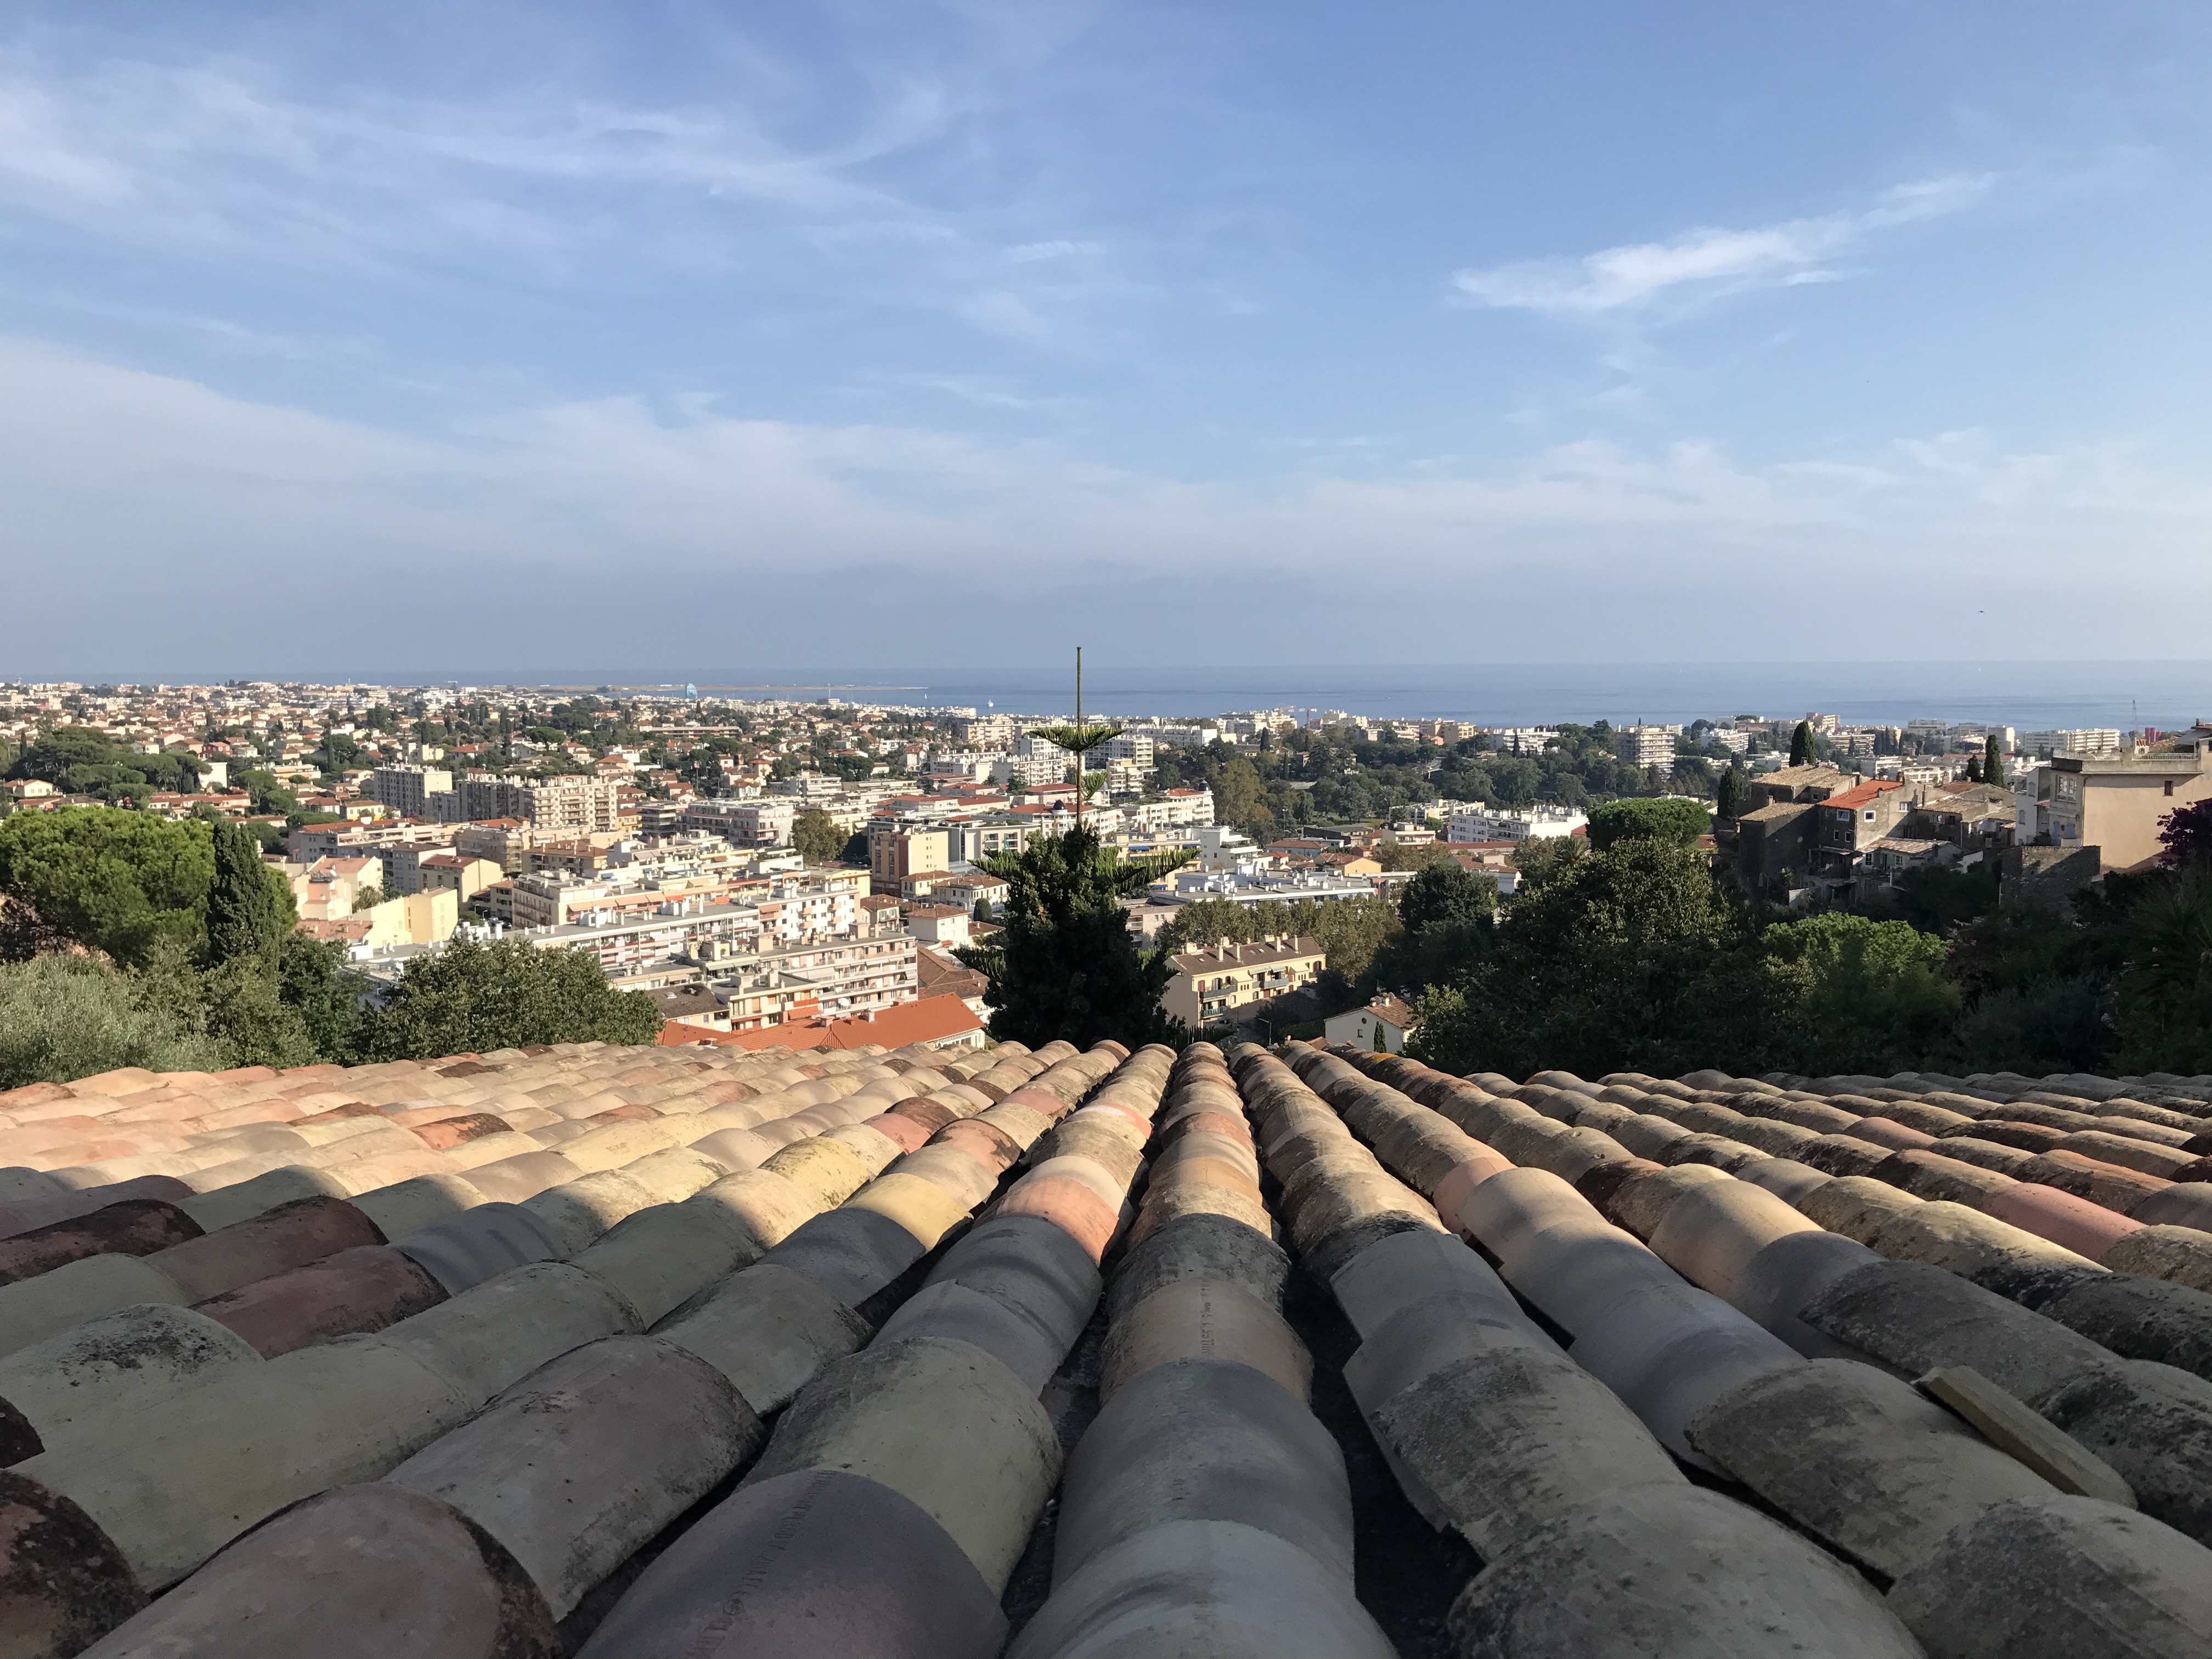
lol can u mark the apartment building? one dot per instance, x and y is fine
(553, 806)
(1646, 745)
(505, 841)
(743, 823)
(405, 791)
(2115, 803)
(2088, 741)
(1134, 747)
(1475, 822)
(464, 876)
(1211, 985)
(896, 851)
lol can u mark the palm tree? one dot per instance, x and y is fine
(1078, 739)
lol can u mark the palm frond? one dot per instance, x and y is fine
(1077, 739)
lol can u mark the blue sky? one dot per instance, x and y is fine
(415, 336)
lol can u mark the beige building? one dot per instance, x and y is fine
(896, 852)
(465, 877)
(425, 918)
(2116, 802)
(1210, 985)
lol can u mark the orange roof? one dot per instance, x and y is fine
(1864, 793)
(932, 1019)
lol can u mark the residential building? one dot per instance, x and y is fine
(1133, 747)
(938, 924)
(1475, 822)
(942, 973)
(2116, 802)
(1849, 825)
(505, 841)
(405, 791)
(1646, 745)
(896, 851)
(1382, 1025)
(1211, 986)
(465, 877)
(939, 1022)
(743, 823)
(2090, 741)
(1776, 833)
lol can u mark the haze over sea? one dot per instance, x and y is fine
(2029, 695)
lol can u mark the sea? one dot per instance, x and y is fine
(2028, 696)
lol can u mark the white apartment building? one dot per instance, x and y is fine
(743, 823)
(2092, 741)
(1648, 745)
(1479, 823)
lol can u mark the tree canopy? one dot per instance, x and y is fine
(471, 997)
(1676, 822)
(112, 881)
(83, 762)
(1801, 752)
(818, 840)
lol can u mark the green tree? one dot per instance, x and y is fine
(1541, 858)
(1630, 958)
(66, 1017)
(264, 794)
(1993, 762)
(1063, 964)
(1677, 822)
(114, 881)
(1730, 802)
(1800, 744)
(1446, 893)
(2165, 993)
(818, 840)
(1854, 994)
(250, 907)
(470, 998)
(1240, 799)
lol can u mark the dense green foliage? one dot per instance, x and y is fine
(67, 1016)
(1333, 775)
(116, 882)
(1634, 957)
(250, 907)
(1353, 932)
(1678, 822)
(817, 840)
(1063, 964)
(471, 998)
(80, 761)
(1802, 751)
(127, 939)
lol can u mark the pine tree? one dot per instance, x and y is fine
(1993, 766)
(249, 908)
(1800, 744)
(1064, 965)
(1974, 768)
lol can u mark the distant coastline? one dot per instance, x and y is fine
(2027, 695)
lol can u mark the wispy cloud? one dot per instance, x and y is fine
(1709, 261)
(155, 491)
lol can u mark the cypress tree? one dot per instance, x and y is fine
(1993, 766)
(249, 908)
(1974, 768)
(1731, 792)
(1800, 744)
